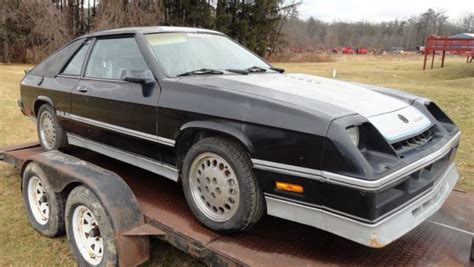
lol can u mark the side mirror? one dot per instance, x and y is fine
(138, 76)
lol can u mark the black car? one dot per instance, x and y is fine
(244, 138)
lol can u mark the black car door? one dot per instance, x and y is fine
(112, 111)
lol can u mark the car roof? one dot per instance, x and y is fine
(146, 30)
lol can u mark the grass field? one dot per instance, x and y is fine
(452, 88)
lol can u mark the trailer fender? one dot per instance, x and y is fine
(117, 198)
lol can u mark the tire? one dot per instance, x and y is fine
(220, 187)
(45, 208)
(50, 133)
(83, 209)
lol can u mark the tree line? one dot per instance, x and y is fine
(409, 33)
(32, 29)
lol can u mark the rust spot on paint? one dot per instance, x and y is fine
(374, 241)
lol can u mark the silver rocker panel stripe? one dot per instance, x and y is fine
(355, 182)
(142, 162)
(287, 169)
(115, 128)
(374, 235)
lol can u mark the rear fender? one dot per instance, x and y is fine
(39, 100)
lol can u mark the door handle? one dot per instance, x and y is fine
(82, 88)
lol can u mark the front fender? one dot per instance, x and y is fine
(219, 127)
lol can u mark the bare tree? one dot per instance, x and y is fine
(115, 14)
(4, 33)
(410, 33)
(467, 21)
(35, 37)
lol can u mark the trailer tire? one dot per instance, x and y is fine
(50, 133)
(45, 208)
(225, 195)
(89, 230)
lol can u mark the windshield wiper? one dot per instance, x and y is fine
(200, 72)
(256, 69)
(280, 70)
(247, 70)
(238, 71)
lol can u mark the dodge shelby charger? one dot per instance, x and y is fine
(244, 138)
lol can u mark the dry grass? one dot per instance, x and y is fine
(451, 87)
(289, 57)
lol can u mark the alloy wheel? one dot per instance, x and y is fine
(214, 187)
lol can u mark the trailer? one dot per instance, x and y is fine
(140, 205)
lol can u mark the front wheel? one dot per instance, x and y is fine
(220, 186)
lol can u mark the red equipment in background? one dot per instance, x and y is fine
(462, 46)
(347, 50)
(296, 49)
(361, 51)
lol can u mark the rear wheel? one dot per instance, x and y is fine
(50, 133)
(220, 186)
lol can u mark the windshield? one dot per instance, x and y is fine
(179, 53)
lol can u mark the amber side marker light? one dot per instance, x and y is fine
(289, 187)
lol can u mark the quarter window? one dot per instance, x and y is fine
(110, 57)
(74, 66)
(54, 63)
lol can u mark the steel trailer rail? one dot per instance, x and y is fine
(445, 239)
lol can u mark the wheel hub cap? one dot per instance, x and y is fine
(87, 235)
(214, 187)
(47, 130)
(38, 201)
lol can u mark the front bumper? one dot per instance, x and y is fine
(375, 235)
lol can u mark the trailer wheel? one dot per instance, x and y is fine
(51, 134)
(45, 208)
(89, 230)
(220, 186)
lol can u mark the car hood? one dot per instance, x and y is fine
(348, 96)
(305, 97)
(395, 119)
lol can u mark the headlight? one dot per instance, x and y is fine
(353, 133)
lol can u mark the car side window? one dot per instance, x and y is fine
(110, 57)
(74, 66)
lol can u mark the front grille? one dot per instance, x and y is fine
(409, 144)
(413, 185)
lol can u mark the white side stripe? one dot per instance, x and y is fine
(115, 128)
(287, 169)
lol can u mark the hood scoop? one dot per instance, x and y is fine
(400, 124)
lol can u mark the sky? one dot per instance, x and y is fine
(376, 11)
